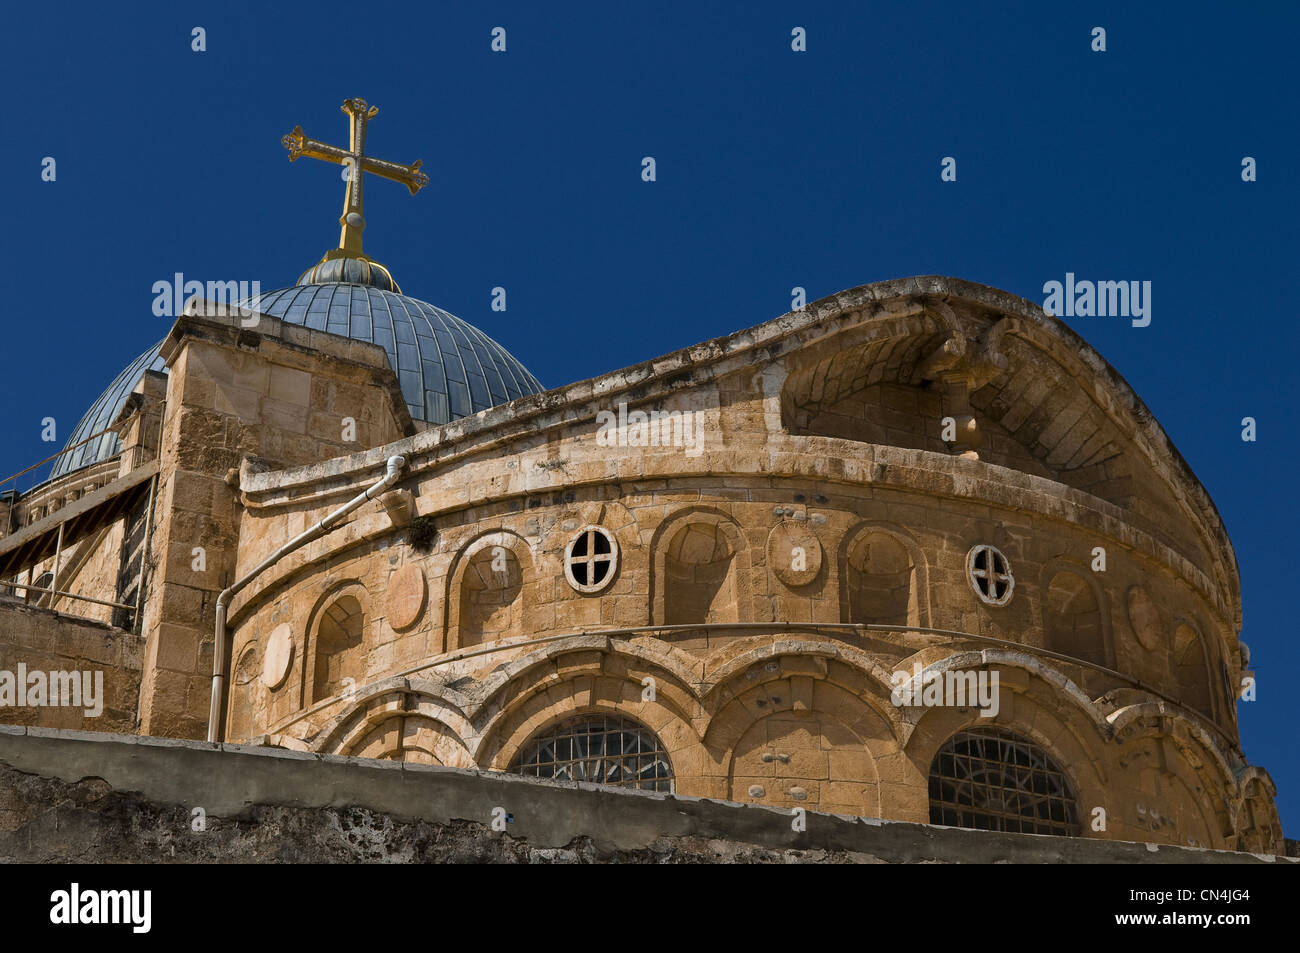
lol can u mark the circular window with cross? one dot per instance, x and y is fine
(590, 559)
(990, 575)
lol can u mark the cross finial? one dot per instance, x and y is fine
(353, 221)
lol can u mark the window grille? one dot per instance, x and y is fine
(992, 780)
(600, 749)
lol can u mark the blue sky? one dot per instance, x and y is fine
(775, 169)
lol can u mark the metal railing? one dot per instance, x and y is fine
(136, 459)
(40, 463)
(63, 595)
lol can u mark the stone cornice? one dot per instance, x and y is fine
(829, 461)
(541, 417)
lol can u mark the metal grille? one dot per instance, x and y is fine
(601, 749)
(991, 780)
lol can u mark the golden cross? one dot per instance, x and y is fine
(353, 219)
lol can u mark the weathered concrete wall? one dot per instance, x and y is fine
(49, 641)
(68, 796)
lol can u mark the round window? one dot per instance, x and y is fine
(590, 559)
(990, 575)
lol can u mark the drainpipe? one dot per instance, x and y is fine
(395, 467)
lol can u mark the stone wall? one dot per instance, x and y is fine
(275, 393)
(47, 641)
(364, 642)
(901, 415)
(444, 624)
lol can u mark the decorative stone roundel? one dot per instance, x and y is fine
(278, 658)
(1144, 617)
(404, 600)
(794, 553)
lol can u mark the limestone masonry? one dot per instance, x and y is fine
(709, 575)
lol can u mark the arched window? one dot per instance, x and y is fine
(340, 650)
(490, 607)
(878, 577)
(1257, 821)
(700, 570)
(44, 581)
(1072, 619)
(600, 749)
(992, 780)
(1191, 671)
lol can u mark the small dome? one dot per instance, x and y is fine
(356, 271)
(102, 413)
(447, 369)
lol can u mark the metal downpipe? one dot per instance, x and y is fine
(395, 466)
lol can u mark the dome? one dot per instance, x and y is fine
(446, 368)
(357, 271)
(102, 413)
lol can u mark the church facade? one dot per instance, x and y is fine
(914, 552)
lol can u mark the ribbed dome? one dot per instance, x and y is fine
(102, 413)
(357, 271)
(447, 369)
